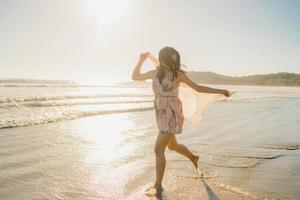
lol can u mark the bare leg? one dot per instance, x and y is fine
(160, 146)
(183, 150)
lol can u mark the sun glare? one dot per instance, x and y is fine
(108, 138)
(105, 11)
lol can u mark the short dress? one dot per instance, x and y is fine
(168, 107)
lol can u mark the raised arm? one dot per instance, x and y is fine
(136, 74)
(203, 89)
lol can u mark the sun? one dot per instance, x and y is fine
(105, 11)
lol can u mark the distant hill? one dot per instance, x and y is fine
(275, 79)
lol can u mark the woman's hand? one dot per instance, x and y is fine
(136, 74)
(144, 56)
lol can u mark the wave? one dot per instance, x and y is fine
(14, 123)
(212, 178)
(206, 176)
(69, 84)
(74, 85)
(48, 98)
(55, 103)
(248, 165)
(272, 156)
(15, 99)
(236, 160)
(283, 146)
(232, 189)
(245, 195)
(254, 98)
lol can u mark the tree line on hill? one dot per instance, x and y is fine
(274, 79)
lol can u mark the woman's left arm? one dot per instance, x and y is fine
(136, 74)
(203, 89)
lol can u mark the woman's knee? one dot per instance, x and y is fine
(161, 143)
(159, 150)
(172, 144)
(172, 147)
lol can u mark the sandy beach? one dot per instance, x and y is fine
(248, 146)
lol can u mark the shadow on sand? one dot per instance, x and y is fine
(210, 193)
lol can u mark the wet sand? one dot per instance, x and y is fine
(250, 146)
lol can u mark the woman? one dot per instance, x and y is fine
(168, 107)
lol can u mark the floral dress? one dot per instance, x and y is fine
(168, 107)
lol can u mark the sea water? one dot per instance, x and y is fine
(68, 141)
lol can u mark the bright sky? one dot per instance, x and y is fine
(102, 40)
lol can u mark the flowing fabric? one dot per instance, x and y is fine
(194, 103)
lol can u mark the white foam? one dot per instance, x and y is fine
(28, 117)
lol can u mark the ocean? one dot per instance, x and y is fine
(72, 141)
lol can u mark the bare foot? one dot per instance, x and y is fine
(200, 172)
(195, 161)
(154, 191)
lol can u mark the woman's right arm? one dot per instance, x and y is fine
(136, 74)
(203, 89)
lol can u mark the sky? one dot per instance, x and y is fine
(98, 40)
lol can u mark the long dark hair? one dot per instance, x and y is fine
(166, 63)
